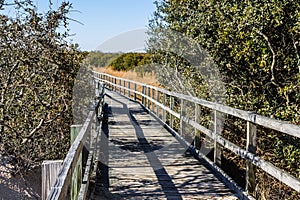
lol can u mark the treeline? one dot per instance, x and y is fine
(129, 61)
(118, 61)
(100, 59)
(255, 48)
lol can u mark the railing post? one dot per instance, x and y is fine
(197, 133)
(164, 111)
(157, 99)
(250, 168)
(129, 90)
(97, 88)
(181, 116)
(110, 83)
(149, 96)
(171, 107)
(50, 170)
(217, 131)
(115, 83)
(134, 91)
(124, 85)
(77, 173)
(120, 84)
(143, 92)
(106, 80)
(152, 96)
(75, 129)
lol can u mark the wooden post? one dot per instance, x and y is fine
(75, 129)
(250, 168)
(134, 91)
(97, 88)
(143, 92)
(217, 131)
(120, 84)
(124, 85)
(115, 82)
(164, 111)
(129, 95)
(182, 114)
(157, 99)
(111, 83)
(149, 91)
(107, 79)
(152, 96)
(197, 132)
(77, 174)
(50, 170)
(171, 107)
(108, 82)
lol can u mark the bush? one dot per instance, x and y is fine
(255, 45)
(129, 61)
(38, 68)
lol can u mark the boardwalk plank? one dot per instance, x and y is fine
(146, 162)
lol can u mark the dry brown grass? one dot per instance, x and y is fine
(148, 78)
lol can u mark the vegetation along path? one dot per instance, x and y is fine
(144, 161)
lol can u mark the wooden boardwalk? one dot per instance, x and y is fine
(140, 159)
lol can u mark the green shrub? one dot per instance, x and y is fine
(38, 68)
(129, 61)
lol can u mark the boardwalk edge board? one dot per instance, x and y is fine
(277, 125)
(62, 186)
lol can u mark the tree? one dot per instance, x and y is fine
(37, 70)
(129, 61)
(255, 45)
(100, 59)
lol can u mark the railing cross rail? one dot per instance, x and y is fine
(145, 95)
(62, 188)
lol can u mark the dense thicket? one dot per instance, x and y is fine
(255, 45)
(100, 59)
(129, 61)
(37, 71)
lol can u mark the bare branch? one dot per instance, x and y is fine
(273, 56)
(33, 131)
(9, 127)
(297, 53)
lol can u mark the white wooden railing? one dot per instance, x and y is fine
(160, 102)
(72, 182)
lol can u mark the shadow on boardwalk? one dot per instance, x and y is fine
(134, 164)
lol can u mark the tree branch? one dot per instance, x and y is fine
(297, 53)
(273, 56)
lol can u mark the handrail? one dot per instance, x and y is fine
(61, 188)
(250, 116)
(151, 97)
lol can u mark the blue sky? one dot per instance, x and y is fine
(104, 20)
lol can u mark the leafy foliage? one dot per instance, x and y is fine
(129, 61)
(37, 71)
(100, 59)
(255, 45)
